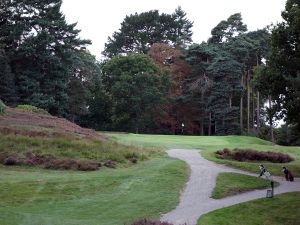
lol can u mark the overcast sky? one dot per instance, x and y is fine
(99, 19)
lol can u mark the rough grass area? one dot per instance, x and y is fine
(111, 197)
(28, 137)
(229, 184)
(283, 209)
(76, 149)
(210, 145)
(28, 123)
(33, 109)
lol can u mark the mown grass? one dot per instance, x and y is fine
(210, 145)
(111, 197)
(81, 149)
(229, 184)
(283, 209)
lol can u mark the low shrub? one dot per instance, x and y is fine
(110, 164)
(253, 155)
(32, 109)
(50, 162)
(66, 164)
(86, 166)
(2, 107)
(11, 161)
(150, 222)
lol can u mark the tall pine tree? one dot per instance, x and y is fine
(39, 44)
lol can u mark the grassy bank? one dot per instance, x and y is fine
(283, 209)
(80, 149)
(111, 197)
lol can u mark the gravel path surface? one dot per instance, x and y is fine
(195, 199)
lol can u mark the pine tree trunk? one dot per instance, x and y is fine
(258, 112)
(215, 127)
(136, 126)
(271, 121)
(202, 126)
(241, 105)
(253, 110)
(209, 125)
(248, 102)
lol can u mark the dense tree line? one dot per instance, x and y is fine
(41, 56)
(154, 78)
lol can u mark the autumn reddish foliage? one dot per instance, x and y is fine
(24, 122)
(171, 59)
(253, 155)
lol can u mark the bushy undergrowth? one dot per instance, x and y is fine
(150, 222)
(33, 109)
(253, 155)
(50, 162)
(2, 107)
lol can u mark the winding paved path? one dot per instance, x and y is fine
(195, 199)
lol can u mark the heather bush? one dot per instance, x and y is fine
(50, 162)
(86, 166)
(253, 155)
(32, 109)
(11, 161)
(150, 222)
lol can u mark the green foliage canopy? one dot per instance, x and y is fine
(139, 31)
(137, 89)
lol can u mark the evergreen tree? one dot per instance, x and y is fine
(84, 77)
(198, 86)
(139, 32)
(249, 49)
(182, 29)
(227, 29)
(269, 82)
(7, 82)
(137, 88)
(225, 73)
(285, 58)
(100, 109)
(39, 45)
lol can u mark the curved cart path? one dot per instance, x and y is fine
(195, 199)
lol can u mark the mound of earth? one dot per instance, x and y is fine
(24, 122)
